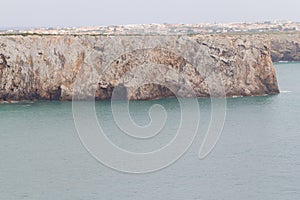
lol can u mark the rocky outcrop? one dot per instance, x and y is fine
(139, 67)
(285, 46)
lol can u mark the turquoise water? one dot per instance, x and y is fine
(257, 156)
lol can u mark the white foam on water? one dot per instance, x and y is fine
(285, 91)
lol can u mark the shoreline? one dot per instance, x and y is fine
(172, 97)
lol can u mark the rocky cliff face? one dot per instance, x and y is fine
(55, 67)
(285, 46)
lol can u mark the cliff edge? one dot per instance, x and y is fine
(285, 46)
(40, 67)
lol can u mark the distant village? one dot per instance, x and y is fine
(155, 29)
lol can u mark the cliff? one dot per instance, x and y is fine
(285, 46)
(44, 67)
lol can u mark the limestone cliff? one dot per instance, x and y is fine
(285, 46)
(46, 67)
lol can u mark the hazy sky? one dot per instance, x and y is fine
(52, 13)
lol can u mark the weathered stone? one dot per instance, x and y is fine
(285, 47)
(46, 67)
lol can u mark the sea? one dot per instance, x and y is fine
(257, 156)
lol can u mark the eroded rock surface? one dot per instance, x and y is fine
(285, 46)
(54, 67)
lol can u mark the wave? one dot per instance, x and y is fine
(285, 91)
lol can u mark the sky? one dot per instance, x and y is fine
(70, 13)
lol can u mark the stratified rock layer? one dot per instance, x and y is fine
(47, 67)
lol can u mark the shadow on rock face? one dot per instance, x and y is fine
(119, 93)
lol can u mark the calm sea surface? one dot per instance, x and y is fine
(257, 156)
